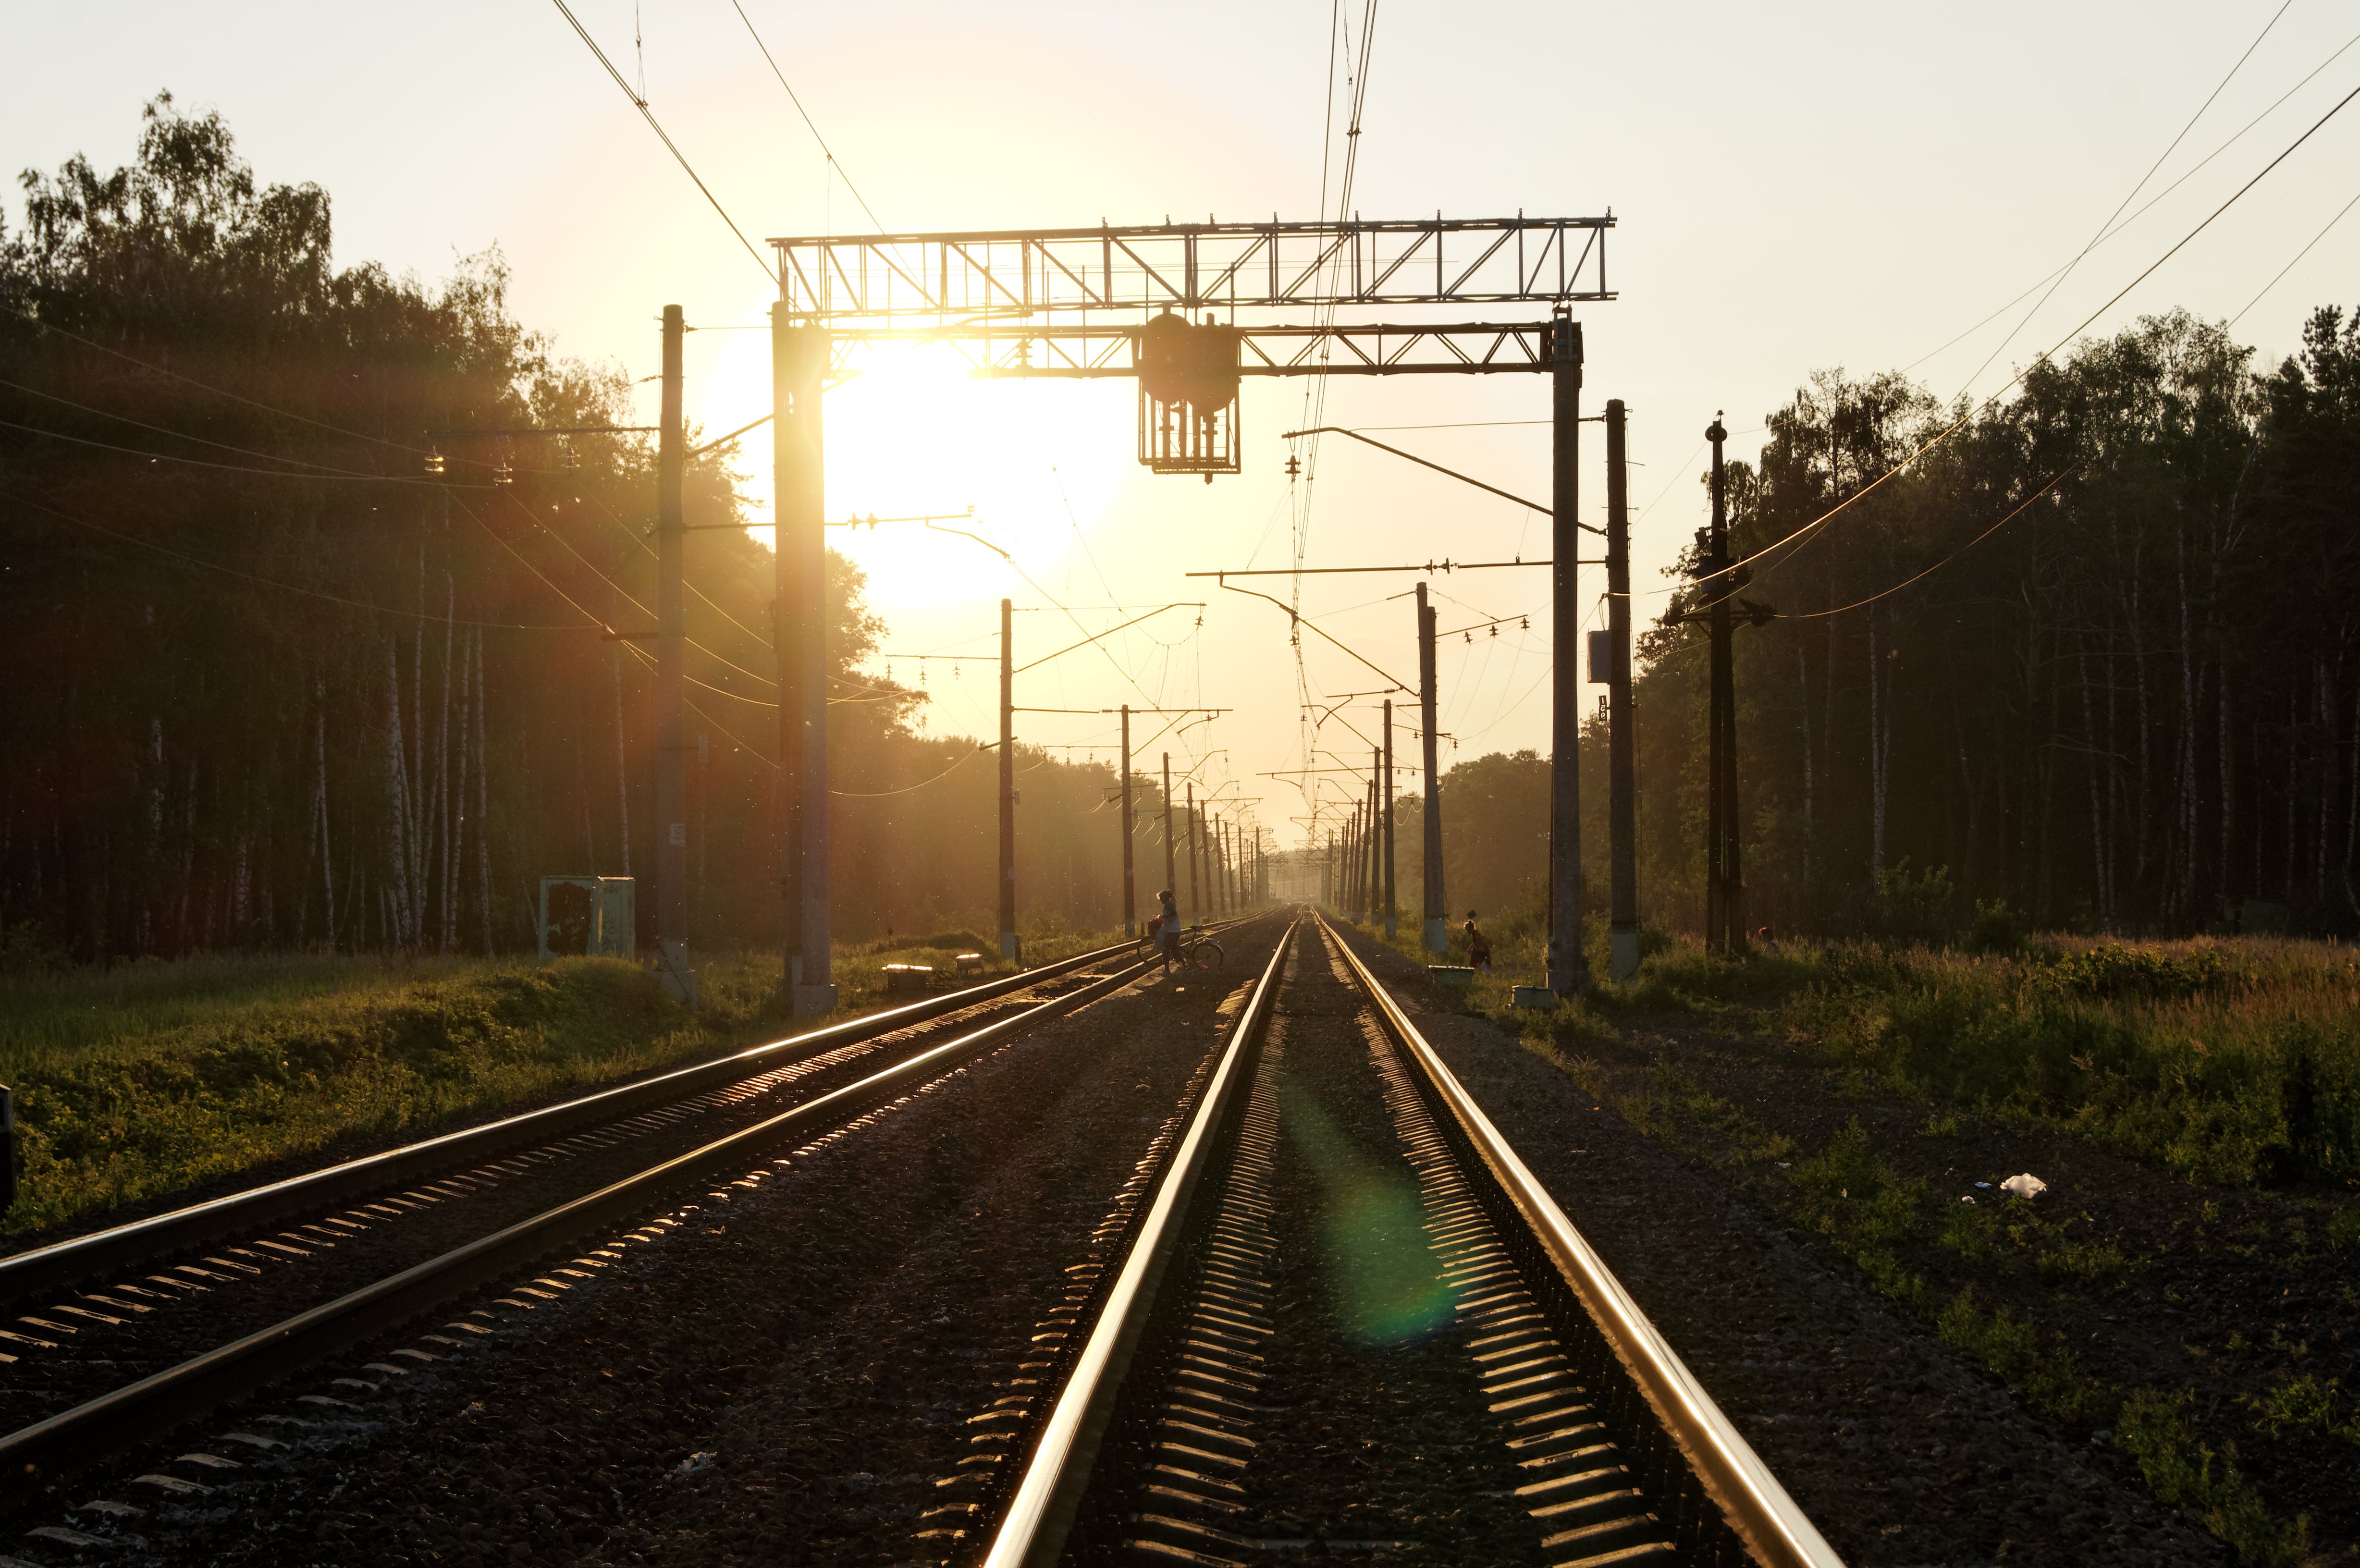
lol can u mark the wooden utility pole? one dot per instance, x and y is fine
(1376, 831)
(1725, 916)
(672, 793)
(1129, 831)
(1621, 741)
(798, 356)
(1008, 943)
(1566, 970)
(1390, 911)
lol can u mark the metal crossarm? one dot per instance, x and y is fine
(1001, 275)
(1093, 352)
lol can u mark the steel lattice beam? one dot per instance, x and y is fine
(1091, 353)
(1018, 273)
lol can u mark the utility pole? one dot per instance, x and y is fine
(1008, 943)
(1436, 912)
(1621, 740)
(1171, 877)
(798, 356)
(1724, 918)
(1390, 911)
(1196, 898)
(1376, 831)
(1129, 831)
(672, 792)
(1566, 973)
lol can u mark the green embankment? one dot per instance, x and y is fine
(147, 1079)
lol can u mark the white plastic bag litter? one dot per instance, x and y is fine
(2027, 1186)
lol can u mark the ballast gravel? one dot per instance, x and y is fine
(787, 1374)
(1900, 1450)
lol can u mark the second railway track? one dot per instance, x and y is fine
(115, 1335)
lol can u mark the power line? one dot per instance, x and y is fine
(647, 115)
(283, 587)
(834, 167)
(1953, 428)
(2289, 266)
(2100, 234)
(2198, 168)
(230, 467)
(2019, 511)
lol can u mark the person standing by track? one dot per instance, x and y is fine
(1167, 930)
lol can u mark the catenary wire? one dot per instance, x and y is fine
(647, 115)
(798, 103)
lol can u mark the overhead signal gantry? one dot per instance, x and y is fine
(1188, 311)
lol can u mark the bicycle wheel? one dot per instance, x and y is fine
(1205, 955)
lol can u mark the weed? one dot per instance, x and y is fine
(2343, 1230)
(2304, 1404)
(2159, 1434)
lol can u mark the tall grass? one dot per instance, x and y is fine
(2234, 1060)
(144, 1079)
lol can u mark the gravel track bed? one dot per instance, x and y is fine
(74, 1345)
(1345, 1364)
(782, 1371)
(1900, 1450)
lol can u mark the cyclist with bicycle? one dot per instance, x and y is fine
(1167, 929)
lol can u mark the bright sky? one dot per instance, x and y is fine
(1798, 186)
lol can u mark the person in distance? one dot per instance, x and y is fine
(1478, 946)
(1167, 930)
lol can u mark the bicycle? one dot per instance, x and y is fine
(1197, 950)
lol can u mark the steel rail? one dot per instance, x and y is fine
(1772, 1526)
(1033, 1531)
(67, 1263)
(155, 1404)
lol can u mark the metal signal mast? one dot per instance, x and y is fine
(1188, 311)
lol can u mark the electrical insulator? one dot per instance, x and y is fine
(567, 457)
(503, 474)
(1294, 467)
(434, 462)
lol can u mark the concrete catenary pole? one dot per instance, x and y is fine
(1171, 874)
(1391, 913)
(1130, 833)
(799, 355)
(1622, 739)
(1196, 897)
(1566, 967)
(672, 793)
(1008, 943)
(1436, 912)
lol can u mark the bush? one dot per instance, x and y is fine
(1995, 929)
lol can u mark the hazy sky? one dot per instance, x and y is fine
(1798, 186)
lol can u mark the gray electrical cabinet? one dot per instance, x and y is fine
(588, 915)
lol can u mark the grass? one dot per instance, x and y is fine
(150, 1078)
(2229, 1062)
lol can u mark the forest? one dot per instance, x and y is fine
(298, 668)
(2090, 662)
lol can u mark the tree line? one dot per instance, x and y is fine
(295, 666)
(2086, 657)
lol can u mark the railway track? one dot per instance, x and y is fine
(120, 1336)
(1343, 1317)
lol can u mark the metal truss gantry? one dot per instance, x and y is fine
(876, 281)
(1020, 302)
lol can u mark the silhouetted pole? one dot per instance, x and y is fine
(1376, 833)
(1436, 912)
(1171, 875)
(1008, 943)
(1565, 969)
(1621, 740)
(1130, 830)
(1390, 914)
(672, 791)
(799, 358)
(1724, 919)
(1196, 897)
